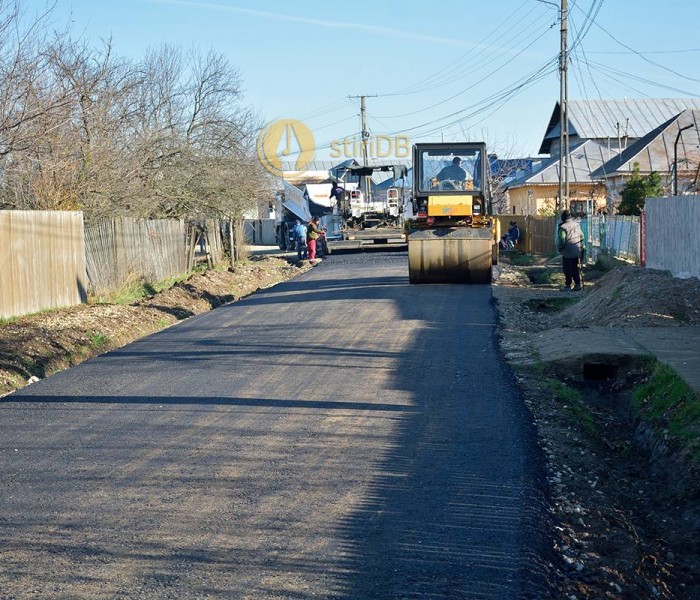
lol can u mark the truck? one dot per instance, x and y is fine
(452, 237)
(368, 213)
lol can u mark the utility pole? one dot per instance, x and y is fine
(675, 158)
(363, 125)
(564, 111)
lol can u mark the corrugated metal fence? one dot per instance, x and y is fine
(123, 250)
(672, 241)
(618, 236)
(42, 261)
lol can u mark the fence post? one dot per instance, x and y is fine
(528, 235)
(643, 238)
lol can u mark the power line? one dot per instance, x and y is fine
(625, 75)
(644, 58)
(644, 51)
(445, 75)
(467, 89)
(510, 91)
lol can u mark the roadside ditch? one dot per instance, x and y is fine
(620, 431)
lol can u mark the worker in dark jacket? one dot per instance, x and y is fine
(313, 232)
(570, 241)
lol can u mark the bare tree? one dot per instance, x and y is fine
(83, 129)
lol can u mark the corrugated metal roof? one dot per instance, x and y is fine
(584, 157)
(598, 119)
(654, 152)
(327, 165)
(319, 171)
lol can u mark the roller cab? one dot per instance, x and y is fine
(451, 238)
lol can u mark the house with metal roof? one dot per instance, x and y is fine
(672, 150)
(618, 123)
(536, 192)
(599, 130)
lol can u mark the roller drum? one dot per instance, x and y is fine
(450, 255)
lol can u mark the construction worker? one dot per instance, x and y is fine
(570, 242)
(313, 232)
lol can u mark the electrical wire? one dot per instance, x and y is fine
(625, 75)
(644, 58)
(445, 76)
(547, 68)
(467, 89)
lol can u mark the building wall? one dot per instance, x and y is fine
(544, 197)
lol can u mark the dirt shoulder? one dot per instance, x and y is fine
(36, 346)
(624, 495)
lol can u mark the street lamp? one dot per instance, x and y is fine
(675, 158)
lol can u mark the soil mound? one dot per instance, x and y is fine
(636, 297)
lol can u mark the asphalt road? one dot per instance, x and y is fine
(342, 435)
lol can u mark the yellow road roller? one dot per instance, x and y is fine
(451, 236)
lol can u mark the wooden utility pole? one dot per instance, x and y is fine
(563, 200)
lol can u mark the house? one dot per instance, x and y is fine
(599, 130)
(536, 192)
(673, 146)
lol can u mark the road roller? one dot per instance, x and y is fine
(451, 236)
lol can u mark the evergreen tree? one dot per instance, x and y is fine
(637, 190)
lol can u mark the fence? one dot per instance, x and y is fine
(212, 238)
(261, 232)
(537, 233)
(121, 250)
(42, 261)
(618, 236)
(672, 241)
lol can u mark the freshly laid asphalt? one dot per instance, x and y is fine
(341, 435)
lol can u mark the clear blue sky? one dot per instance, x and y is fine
(440, 68)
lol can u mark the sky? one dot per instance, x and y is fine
(450, 70)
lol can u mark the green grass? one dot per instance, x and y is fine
(617, 293)
(669, 403)
(522, 260)
(136, 290)
(546, 276)
(572, 402)
(98, 339)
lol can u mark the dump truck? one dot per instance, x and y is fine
(451, 236)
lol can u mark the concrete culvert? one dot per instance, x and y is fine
(598, 371)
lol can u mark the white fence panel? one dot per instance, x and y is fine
(672, 240)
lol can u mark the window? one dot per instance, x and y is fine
(443, 170)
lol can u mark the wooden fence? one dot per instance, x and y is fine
(42, 261)
(536, 233)
(123, 250)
